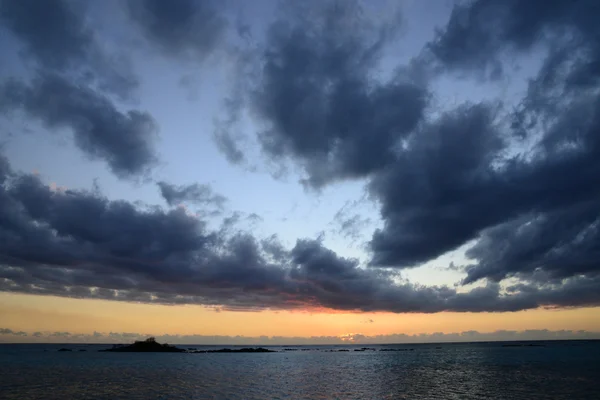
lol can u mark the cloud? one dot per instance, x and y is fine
(188, 29)
(201, 194)
(57, 38)
(563, 243)
(355, 338)
(350, 225)
(524, 213)
(71, 80)
(52, 31)
(227, 144)
(481, 35)
(446, 179)
(125, 141)
(442, 189)
(80, 244)
(534, 213)
(517, 183)
(317, 95)
(60, 334)
(5, 331)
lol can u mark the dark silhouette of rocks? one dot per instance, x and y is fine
(396, 349)
(64, 349)
(365, 349)
(149, 345)
(82, 350)
(242, 350)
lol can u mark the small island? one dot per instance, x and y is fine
(149, 345)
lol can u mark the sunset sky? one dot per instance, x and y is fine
(319, 171)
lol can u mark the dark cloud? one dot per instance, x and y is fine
(524, 190)
(52, 31)
(56, 36)
(563, 243)
(319, 97)
(190, 29)
(482, 34)
(74, 79)
(195, 194)
(455, 179)
(123, 140)
(79, 244)
(441, 191)
(521, 185)
(538, 211)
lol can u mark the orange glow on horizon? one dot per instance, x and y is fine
(46, 313)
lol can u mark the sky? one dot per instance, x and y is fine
(309, 172)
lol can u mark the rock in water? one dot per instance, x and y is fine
(149, 345)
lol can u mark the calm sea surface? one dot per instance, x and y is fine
(558, 370)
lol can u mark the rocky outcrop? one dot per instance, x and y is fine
(149, 345)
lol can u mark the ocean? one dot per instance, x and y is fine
(499, 370)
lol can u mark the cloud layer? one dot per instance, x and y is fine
(438, 337)
(516, 182)
(80, 244)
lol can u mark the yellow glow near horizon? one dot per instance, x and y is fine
(46, 313)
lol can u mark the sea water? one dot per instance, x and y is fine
(548, 370)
